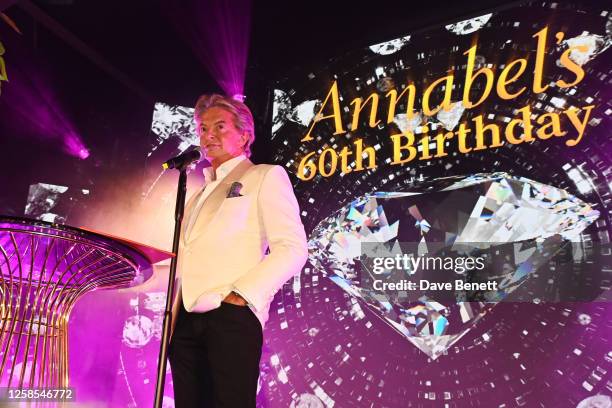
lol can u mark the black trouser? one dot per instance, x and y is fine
(214, 358)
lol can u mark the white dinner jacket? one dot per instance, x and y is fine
(226, 249)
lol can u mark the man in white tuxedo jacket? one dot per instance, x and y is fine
(227, 279)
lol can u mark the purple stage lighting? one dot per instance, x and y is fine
(74, 146)
(29, 105)
(218, 33)
(34, 100)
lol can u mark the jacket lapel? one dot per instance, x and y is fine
(211, 204)
(187, 213)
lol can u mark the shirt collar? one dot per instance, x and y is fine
(223, 170)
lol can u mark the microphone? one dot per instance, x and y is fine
(183, 160)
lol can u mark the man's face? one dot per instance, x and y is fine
(219, 138)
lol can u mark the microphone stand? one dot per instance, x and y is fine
(165, 337)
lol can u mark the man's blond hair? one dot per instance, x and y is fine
(243, 118)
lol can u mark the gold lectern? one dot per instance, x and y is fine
(44, 269)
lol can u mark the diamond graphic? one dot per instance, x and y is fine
(519, 223)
